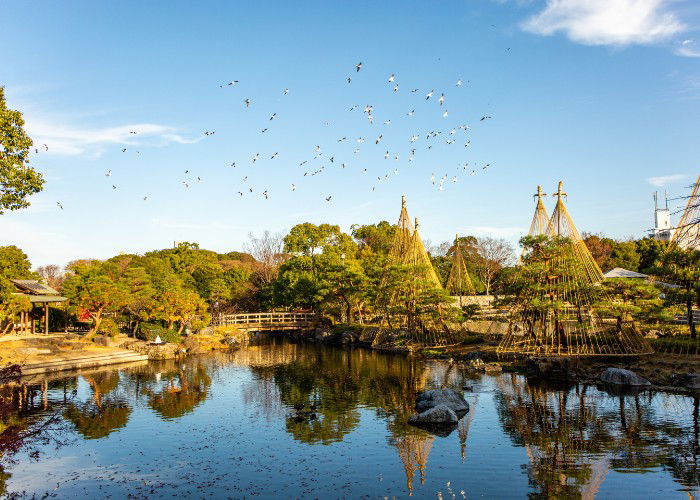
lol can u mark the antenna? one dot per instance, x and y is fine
(656, 200)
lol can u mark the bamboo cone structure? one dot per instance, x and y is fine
(554, 314)
(687, 234)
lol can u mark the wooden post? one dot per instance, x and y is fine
(31, 320)
(46, 318)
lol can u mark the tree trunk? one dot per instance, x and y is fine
(691, 319)
(182, 326)
(359, 313)
(97, 319)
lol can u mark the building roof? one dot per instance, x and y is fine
(619, 272)
(44, 299)
(33, 287)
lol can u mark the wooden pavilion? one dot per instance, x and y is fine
(41, 296)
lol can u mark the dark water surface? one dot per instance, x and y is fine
(225, 425)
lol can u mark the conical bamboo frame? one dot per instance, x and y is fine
(562, 226)
(540, 219)
(687, 234)
(555, 315)
(459, 282)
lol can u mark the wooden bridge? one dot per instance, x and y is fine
(272, 321)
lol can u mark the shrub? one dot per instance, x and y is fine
(225, 331)
(149, 331)
(108, 327)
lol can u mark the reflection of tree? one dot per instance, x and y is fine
(28, 419)
(573, 436)
(104, 413)
(185, 389)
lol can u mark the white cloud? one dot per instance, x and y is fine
(607, 22)
(71, 141)
(665, 180)
(687, 48)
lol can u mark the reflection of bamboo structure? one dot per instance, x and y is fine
(464, 425)
(459, 283)
(414, 450)
(562, 443)
(557, 311)
(687, 234)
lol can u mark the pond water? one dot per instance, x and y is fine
(239, 425)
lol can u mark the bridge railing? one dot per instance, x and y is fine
(272, 318)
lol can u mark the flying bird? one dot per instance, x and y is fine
(285, 91)
(442, 99)
(484, 118)
(459, 83)
(247, 102)
(358, 66)
(391, 78)
(58, 203)
(429, 95)
(378, 139)
(328, 199)
(273, 116)
(108, 174)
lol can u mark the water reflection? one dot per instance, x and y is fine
(574, 436)
(568, 440)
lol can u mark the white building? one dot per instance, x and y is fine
(662, 220)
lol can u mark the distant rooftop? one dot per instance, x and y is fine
(33, 287)
(619, 272)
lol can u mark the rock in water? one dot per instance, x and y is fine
(448, 397)
(440, 415)
(620, 376)
(688, 380)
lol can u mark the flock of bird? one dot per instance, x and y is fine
(316, 164)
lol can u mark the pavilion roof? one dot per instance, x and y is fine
(33, 287)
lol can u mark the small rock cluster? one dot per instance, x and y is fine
(439, 407)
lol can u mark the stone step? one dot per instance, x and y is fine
(83, 362)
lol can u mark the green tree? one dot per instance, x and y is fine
(650, 251)
(624, 254)
(18, 180)
(95, 288)
(682, 268)
(637, 298)
(14, 264)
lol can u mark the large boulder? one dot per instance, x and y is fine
(438, 415)
(688, 380)
(435, 397)
(620, 376)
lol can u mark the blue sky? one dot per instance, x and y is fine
(602, 94)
